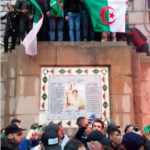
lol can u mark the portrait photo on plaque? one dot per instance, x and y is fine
(75, 97)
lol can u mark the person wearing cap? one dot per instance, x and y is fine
(128, 128)
(14, 138)
(114, 134)
(97, 141)
(51, 138)
(132, 141)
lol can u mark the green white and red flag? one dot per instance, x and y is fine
(107, 15)
(57, 8)
(30, 41)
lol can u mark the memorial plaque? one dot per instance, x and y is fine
(69, 93)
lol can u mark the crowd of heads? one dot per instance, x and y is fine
(52, 136)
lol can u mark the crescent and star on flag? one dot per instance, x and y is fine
(111, 15)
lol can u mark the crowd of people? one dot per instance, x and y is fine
(95, 137)
(75, 25)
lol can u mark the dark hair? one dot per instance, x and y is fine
(73, 145)
(14, 121)
(112, 130)
(74, 91)
(2, 130)
(79, 121)
(127, 127)
(98, 120)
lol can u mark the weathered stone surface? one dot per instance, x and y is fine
(2, 107)
(137, 104)
(138, 5)
(120, 85)
(2, 122)
(27, 121)
(122, 119)
(135, 59)
(4, 71)
(145, 105)
(121, 103)
(3, 26)
(145, 71)
(24, 61)
(3, 90)
(136, 86)
(67, 55)
(4, 3)
(12, 65)
(27, 85)
(7, 120)
(141, 27)
(1, 8)
(11, 87)
(10, 106)
(27, 105)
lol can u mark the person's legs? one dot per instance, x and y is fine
(22, 26)
(85, 24)
(77, 26)
(52, 26)
(145, 48)
(13, 38)
(60, 26)
(71, 26)
(92, 32)
(6, 37)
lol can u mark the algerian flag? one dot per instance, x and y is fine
(57, 8)
(107, 15)
(30, 41)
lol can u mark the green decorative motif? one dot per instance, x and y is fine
(79, 71)
(105, 104)
(96, 71)
(104, 87)
(62, 71)
(45, 79)
(44, 96)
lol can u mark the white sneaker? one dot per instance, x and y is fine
(103, 39)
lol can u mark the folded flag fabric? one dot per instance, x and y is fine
(57, 8)
(30, 41)
(107, 15)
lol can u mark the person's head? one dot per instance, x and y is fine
(112, 125)
(97, 141)
(10, 6)
(80, 121)
(128, 128)
(74, 145)
(51, 137)
(132, 141)
(2, 131)
(36, 126)
(75, 93)
(14, 132)
(97, 125)
(114, 135)
(15, 121)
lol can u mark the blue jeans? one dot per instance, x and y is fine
(74, 18)
(87, 26)
(52, 25)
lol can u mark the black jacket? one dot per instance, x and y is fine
(71, 6)
(12, 20)
(24, 4)
(9, 144)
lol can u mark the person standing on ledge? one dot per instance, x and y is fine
(11, 27)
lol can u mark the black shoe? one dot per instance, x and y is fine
(10, 50)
